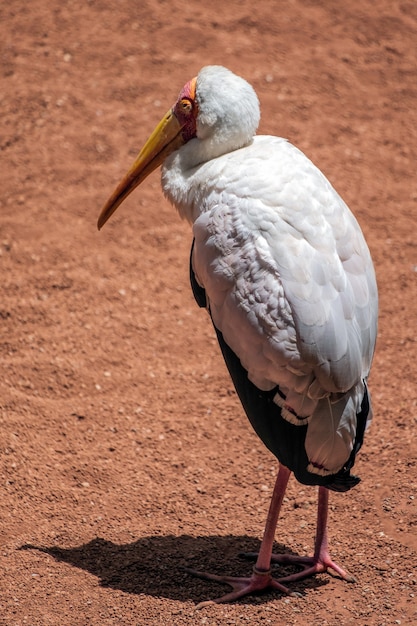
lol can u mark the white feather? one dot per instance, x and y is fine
(286, 269)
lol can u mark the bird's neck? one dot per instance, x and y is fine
(188, 172)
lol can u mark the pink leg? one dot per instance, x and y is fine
(261, 578)
(320, 561)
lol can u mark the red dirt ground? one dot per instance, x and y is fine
(125, 454)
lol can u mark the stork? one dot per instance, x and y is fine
(283, 269)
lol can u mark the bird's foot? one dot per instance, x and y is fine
(259, 581)
(310, 565)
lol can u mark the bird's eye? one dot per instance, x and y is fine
(186, 106)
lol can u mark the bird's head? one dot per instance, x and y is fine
(216, 109)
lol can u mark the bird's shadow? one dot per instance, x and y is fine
(154, 565)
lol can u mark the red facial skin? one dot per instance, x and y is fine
(186, 110)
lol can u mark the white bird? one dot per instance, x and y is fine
(282, 267)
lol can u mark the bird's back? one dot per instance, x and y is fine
(289, 283)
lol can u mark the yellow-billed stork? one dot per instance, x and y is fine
(282, 267)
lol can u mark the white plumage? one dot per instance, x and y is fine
(286, 275)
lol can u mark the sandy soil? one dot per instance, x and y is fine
(125, 454)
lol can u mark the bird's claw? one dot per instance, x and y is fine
(309, 564)
(242, 586)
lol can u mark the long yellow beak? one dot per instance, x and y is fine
(165, 139)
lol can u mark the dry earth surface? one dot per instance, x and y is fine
(125, 454)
